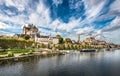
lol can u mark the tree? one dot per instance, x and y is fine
(13, 43)
(68, 40)
(75, 47)
(42, 45)
(26, 37)
(62, 47)
(60, 39)
(58, 47)
(48, 46)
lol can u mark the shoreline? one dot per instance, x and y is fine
(24, 57)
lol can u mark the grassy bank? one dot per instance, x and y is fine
(15, 51)
(13, 43)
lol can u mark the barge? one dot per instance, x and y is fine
(88, 50)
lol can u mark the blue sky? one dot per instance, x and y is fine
(96, 18)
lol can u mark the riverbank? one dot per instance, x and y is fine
(5, 58)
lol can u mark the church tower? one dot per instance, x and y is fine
(78, 38)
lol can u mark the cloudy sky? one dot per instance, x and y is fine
(96, 18)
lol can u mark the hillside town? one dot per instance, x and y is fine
(33, 33)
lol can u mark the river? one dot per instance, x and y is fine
(104, 63)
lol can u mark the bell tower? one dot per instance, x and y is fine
(78, 38)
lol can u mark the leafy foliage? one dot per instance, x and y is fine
(12, 43)
(26, 37)
(68, 40)
(60, 39)
(10, 54)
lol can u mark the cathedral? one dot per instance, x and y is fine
(30, 29)
(34, 34)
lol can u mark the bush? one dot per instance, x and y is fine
(10, 54)
(12, 43)
(30, 52)
(26, 37)
(23, 54)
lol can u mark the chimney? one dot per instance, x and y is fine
(78, 38)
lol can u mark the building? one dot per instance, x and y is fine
(91, 41)
(78, 38)
(19, 35)
(101, 42)
(46, 39)
(34, 34)
(30, 29)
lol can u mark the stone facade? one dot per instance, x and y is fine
(30, 29)
(46, 39)
(91, 41)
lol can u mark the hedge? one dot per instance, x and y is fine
(12, 43)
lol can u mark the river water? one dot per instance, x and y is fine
(104, 63)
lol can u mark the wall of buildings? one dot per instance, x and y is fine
(46, 40)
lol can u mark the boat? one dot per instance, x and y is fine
(88, 50)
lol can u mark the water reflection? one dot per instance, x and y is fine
(104, 63)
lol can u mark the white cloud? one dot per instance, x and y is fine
(19, 4)
(114, 25)
(110, 33)
(18, 19)
(6, 33)
(94, 11)
(66, 26)
(115, 5)
(113, 36)
(34, 18)
(90, 3)
(41, 16)
(9, 12)
(75, 4)
(84, 31)
(57, 2)
(2, 2)
(54, 24)
(48, 32)
(4, 26)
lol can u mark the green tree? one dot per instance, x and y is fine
(26, 37)
(68, 40)
(42, 45)
(71, 47)
(60, 39)
(75, 47)
(48, 45)
(14, 43)
(62, 47)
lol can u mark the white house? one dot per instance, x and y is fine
(46, 39)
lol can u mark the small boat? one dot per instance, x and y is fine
(88, 50)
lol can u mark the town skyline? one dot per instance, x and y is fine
(93, 18)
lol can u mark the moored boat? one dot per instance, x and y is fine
(88, 50)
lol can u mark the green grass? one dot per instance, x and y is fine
(15, 51)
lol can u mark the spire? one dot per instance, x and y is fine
(78, 38)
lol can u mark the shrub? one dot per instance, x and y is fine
(26, 37)
(11, 43)
(10, 54)
(30, 52)
(23, 54)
